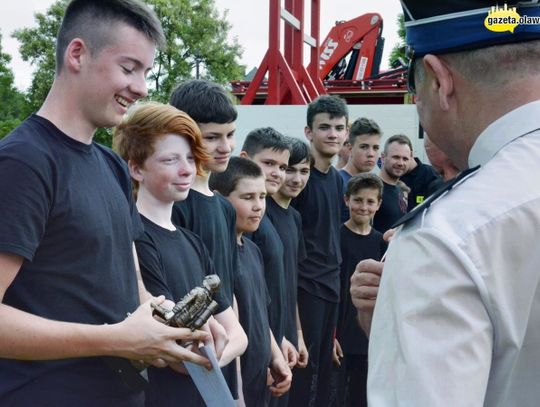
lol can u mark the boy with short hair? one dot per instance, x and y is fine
(320, 205)
(364, 143)
(359, 241)
(68, 270)
(164, 151)
(288, 223)
(209, 215)
(243, 184)
(270, 150)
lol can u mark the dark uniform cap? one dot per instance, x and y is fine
(446, 26)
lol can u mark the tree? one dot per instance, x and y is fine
(13, 105)
(38, 47)
(399, 49)
(197, 36)
(196, 41)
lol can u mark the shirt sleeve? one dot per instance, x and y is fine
(25, 203)
(152, 271)
(431, 339)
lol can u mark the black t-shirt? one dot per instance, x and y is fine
(172, 263)
(67, 209)
(423, 181)
(269, 243)
(288, 225)
(320, 205)
(354, 248)
(213, 219)
(253, 301)
(393, 207)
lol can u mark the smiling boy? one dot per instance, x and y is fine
(164, 150)
(67, 269)
(320, 205)
(359, 241)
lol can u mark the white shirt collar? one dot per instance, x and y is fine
(502, 131)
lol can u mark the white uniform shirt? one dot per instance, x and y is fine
(457, 318)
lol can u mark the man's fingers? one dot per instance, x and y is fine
(183, 354)
(369, 266)
(364, 292)
(365, 279)
(158, 362)
(185, 334)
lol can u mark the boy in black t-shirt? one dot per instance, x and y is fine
(359, 241)
(288, 224)
(320, 205)
(243, 183)
(163, 148)
(68, 277)
(271, 151)
(209, 215)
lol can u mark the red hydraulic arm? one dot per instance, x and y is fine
(356, 38)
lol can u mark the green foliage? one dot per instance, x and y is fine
(38, 47)
(196, 35)
(399, 49)
(13, 105)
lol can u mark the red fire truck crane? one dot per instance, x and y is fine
(347, 62)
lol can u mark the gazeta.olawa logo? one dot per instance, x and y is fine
(501, 19)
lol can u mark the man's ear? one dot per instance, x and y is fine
(244, 154)
(75, 54)
(135, 171)
(307, 133)
(442, 81)
(346, 200)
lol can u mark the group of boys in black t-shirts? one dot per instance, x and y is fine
(83, 256)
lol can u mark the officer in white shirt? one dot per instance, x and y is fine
(457, 316)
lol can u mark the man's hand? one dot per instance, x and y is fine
(141, 337)
(219, 336)
(280, 376)
(364, 288)
(289, 352)
(337, 353)
(389, 234)
(303, 355)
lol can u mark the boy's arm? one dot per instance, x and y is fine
(139, 337)
(280, 371)
(303, 355)
(237, 337)
(290, 354)
(144, 295)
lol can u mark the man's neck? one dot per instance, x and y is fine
(281, 200)
(351, 169)
(358, 228)
(387, 178)
(322, 163)
(201, 184)
(156, 211)
(60, 110)
(239, 238)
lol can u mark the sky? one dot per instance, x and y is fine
(249, 20)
